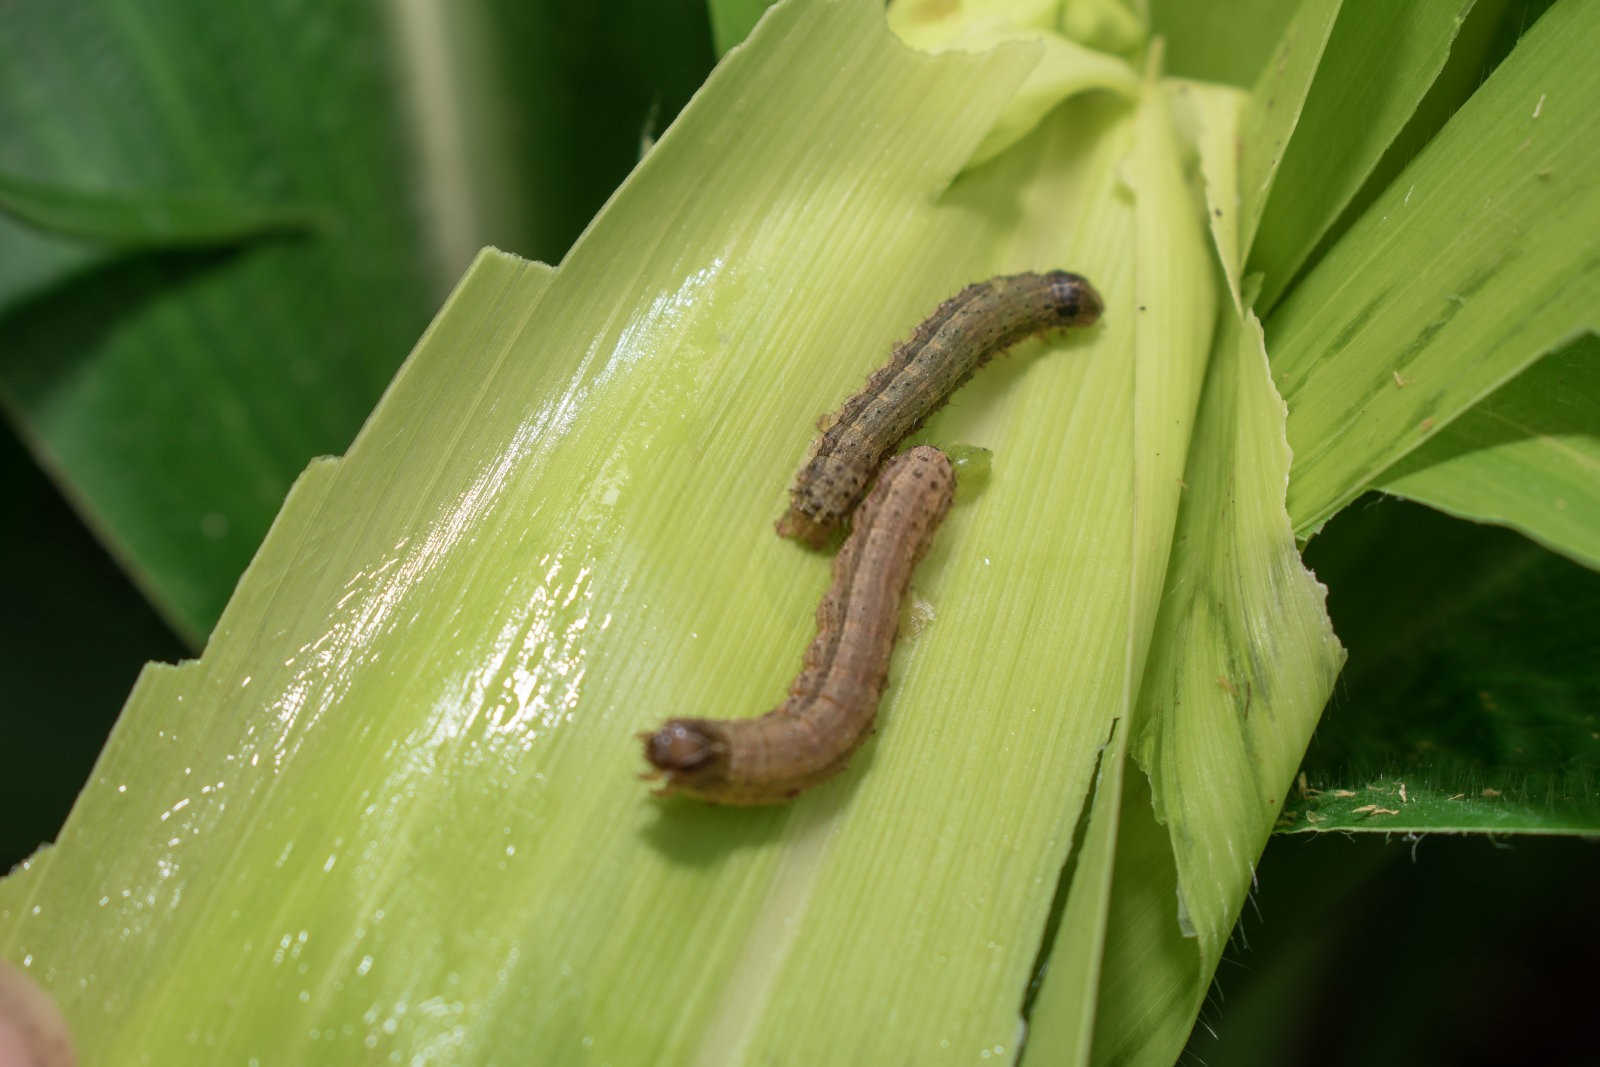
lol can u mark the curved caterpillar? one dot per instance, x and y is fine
(833, 702)
(963, 334)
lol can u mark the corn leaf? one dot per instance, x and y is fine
(524, 556)
(1277, 100)
(1223, 43)
(283, 339)
(126, 222)
(1217, 732)
(555, 531)
(1528, 457)
(1064, 68)
(1380, 60)
(221, 234)
(1474, 263)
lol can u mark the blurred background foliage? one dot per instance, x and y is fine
(146, 450)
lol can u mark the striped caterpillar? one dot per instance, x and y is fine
(963, 334)
(833, 702)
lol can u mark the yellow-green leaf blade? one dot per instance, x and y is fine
(1528, 457)
(1381, 58)
(1063, 69)
(1276, 102)
(1472, 264)
(393, 809)
(1243, 661)
(1246, 657)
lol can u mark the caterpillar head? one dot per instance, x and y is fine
(690, 753)
(1073, 300)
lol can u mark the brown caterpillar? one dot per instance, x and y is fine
(962, 335)
(833, 702)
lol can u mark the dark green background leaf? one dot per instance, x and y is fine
(1474, 665)
(177, 373)
(176, 392)
(120, 223)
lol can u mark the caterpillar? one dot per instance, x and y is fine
(834, 700)
(963, 334)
